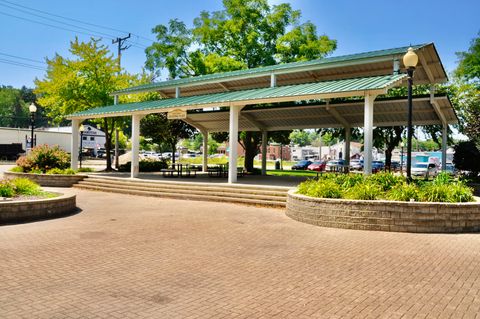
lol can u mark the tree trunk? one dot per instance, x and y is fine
(388, 158)
(250, 143)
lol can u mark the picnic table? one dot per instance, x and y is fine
(179, 170)
(221, 170)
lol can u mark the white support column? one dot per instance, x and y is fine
(115, 102)
(264, 152)
(444, 146)
(205, 151)
(135, 145)
(368, 134)
(348, 134)
(75, 144)
(232, 143)
(273, 80)
(177, 92)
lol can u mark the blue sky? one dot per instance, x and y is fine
(358, 26)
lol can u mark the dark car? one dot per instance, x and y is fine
(335, 165)
(301, 165)
(378, 166)
(318, 166)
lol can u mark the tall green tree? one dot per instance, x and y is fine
(82, 82)
(466, 91)
(245, 34)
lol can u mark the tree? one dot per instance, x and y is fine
(300, 137)
(82, 82)
(164, 131)
(466, 89)
(466, 157)
(245, 34)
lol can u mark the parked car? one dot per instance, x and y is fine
(301, 165)
(356, 165)
(318, 166)
(450, 169)
(424, 169)
(377, 166)
(335, 165)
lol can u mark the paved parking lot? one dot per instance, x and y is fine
(135, 257)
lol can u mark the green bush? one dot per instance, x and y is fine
(387, 186)
(43, 158)
(385, 180)
(24, 186)
(7, 189)
(85, 170)
(58, 171)
(326, 188)
(145, 166)
(17, 169)
(364, 191)
(404, 192)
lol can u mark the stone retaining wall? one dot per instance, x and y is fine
(412, 217)
(27, 210)
(49, 180)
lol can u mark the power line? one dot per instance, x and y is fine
(21, 58)
(25, 65)
(76, 20)
(47, 24)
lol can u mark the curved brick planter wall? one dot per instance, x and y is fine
(49, 180)
(27, 210)
(385, 215)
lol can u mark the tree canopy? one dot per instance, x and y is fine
(83, 82)
(245, 34)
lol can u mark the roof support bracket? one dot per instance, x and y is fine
(336, 115)
(253, 121)
(436, 107)
(199, 127)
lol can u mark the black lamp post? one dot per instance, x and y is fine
(32, 108)
(80, 156)
(410, 60)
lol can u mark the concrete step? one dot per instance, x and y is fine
(183, 183)
(233, 198)
(187, 191)
(188, 187)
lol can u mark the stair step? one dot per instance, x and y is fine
(187, 191)
(237, 187)
(166, 187)
(231, 199)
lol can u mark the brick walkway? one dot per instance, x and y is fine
(135, 257)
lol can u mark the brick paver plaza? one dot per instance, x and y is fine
(135, 257)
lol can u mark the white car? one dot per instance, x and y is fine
(424, 169)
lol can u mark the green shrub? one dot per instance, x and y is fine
(36, 171)
(435, 193)
(443, 178)
(347, 181)
(385, 180)
(85, 170)
(43, 158)
(404, 192)
(459, 193)
(7, 189)
(145, 166)
(17, 169)
(58, 171)
(364, 191)
(326, 188)
(24, 186)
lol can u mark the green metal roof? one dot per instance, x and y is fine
(267, 69)
(345, 87)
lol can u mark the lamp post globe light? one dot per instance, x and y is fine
(410, 60)
(81, 130)
(33, 109)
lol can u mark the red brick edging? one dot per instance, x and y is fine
(415, 217)
(27, 210)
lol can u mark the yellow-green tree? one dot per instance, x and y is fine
(82, 82)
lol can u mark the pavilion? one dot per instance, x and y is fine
(331, 92)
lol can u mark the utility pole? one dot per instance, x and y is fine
(121, 48)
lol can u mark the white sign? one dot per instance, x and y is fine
(177, 114)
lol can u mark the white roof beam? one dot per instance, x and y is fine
(254, 122)
(199, 127)
(337, 115)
